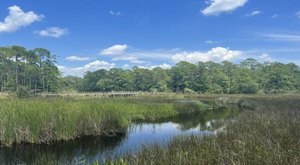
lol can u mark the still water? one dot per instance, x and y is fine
(90, 149)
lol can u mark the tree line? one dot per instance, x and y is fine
(34, 71)
(247, 77)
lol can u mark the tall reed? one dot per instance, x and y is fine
(44, 120)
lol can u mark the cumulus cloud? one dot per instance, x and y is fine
(54, 32)
(216, 54)
(131, 59)
(114, 50)
(155, 58)
(115, 13)
(17, 18)
(217, 7)
(92, 66)
(77, 58)
(254, 13)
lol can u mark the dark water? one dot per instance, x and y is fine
(90, 149)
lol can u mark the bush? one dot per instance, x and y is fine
(23, 92)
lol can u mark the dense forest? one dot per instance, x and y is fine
(35, 71)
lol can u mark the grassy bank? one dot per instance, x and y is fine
(44, 120)
(267, 135)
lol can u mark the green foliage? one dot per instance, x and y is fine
(36, 70)
(23, 92)
(71, 83)
(182, 76)
(248, 77)
(31, 69)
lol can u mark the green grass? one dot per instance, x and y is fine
(266, 132)
(267, 135)
(45, 120)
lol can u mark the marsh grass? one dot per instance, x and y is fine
(45, 120)
(268, 135)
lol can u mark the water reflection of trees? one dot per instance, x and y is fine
(207, 120)
(73, 152)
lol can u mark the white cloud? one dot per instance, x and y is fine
(96, 65)
(54, 32)
(282, 37)
(131, 59)
(126, 66)
(254, 13)
(298, 14)
(92, 66)
(163, 66)
(17, 18)
(115, 13)
(265, 58)
(77, 58)
(217, 7)
(114, 50)
(216, 54)
(155, 58)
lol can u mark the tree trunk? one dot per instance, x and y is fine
(34, 87)
(17, 80)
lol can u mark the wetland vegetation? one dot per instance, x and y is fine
(268, 134)
(90, 149)
(44, 120)
(40, 108)
(152, 129)
(158, 82)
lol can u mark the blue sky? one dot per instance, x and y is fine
(101, 34)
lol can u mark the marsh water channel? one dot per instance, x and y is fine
(139, 134)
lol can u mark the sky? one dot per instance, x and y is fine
(101, 34)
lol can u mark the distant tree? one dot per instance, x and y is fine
(250, 63)
(218, 81)
(199, 80)
(161, 79)
(71, 83)
(182, 75)
(143, 79)
(246, 83)
(91, 79)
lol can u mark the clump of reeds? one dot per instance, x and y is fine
(44, 120)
